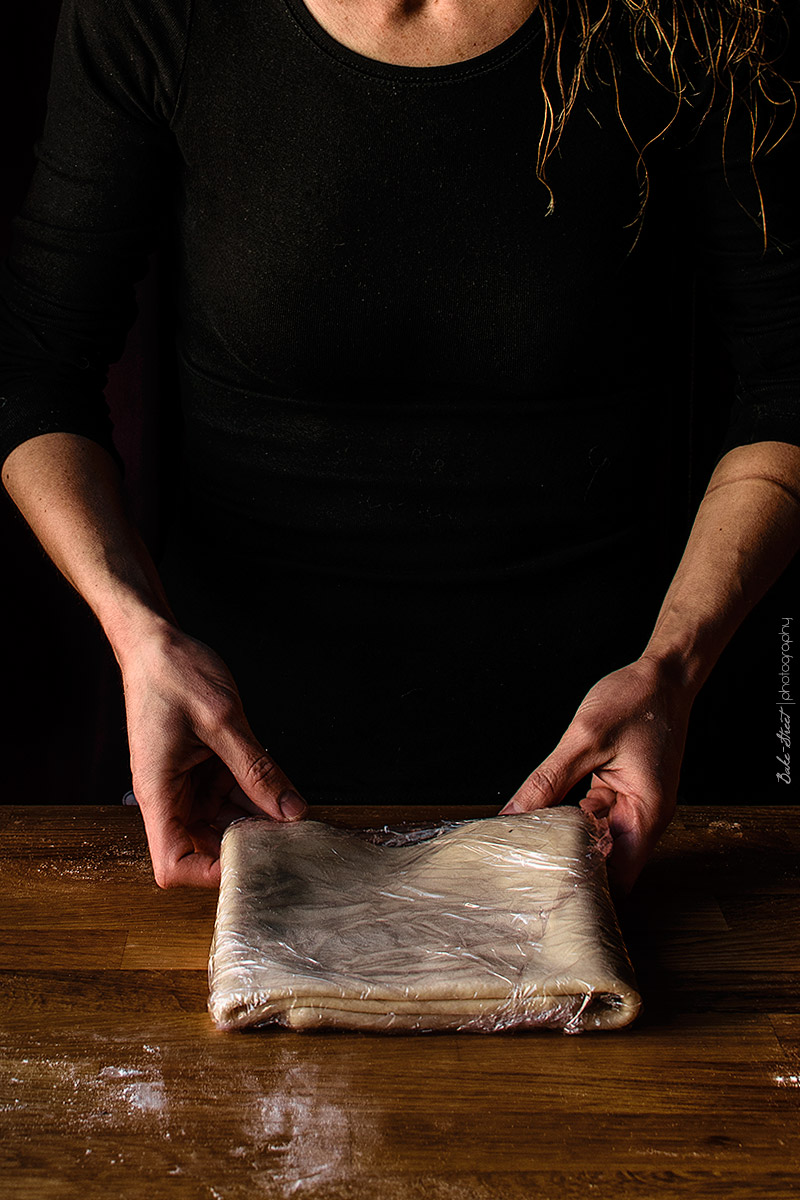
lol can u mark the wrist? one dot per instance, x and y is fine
(681, 662)
(134, 623)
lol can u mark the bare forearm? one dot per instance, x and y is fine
(746, 531)
(69, 491)
(196, 764)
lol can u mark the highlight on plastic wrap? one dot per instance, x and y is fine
(479, 926)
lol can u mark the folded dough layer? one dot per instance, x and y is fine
(482, 925)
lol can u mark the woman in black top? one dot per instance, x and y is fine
(420, 330)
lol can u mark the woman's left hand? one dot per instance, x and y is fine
(629, 733)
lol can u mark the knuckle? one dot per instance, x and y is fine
(262, 770)
(164, 875)
(545, 782)
(665, 811)
(150, 790)
(215, 711)
(588, 725)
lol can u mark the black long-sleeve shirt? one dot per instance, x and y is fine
(424, 421)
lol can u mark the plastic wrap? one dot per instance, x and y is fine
(483, 926)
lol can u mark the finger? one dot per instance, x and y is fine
(599, 805)
(210, 784)
(258, 775)
(552, 779)
(626, 860)
(635, 829)
(218, 799)
(600, 796)
(205, 838)
(181, 856)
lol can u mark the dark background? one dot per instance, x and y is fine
(63, 733)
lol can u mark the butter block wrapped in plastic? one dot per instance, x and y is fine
(480, 926)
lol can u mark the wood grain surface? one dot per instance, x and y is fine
(114, 1082)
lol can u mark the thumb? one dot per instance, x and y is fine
(549, 783)
(258, 775)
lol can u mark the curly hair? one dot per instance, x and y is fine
(728, 48)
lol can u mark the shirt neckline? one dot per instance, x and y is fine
(399, 73)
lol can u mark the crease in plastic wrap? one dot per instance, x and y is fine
(481, 926)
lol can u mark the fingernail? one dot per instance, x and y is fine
(291, 805)
(509, 809)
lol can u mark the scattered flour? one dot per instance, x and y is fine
(308, 1137)
(146, 1097)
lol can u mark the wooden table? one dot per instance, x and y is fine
(113, 1081)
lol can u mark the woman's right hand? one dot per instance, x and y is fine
(196, 763)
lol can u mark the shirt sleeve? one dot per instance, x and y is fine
(750, 284)
(95, 209)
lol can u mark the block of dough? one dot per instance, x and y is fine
(481, 925)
